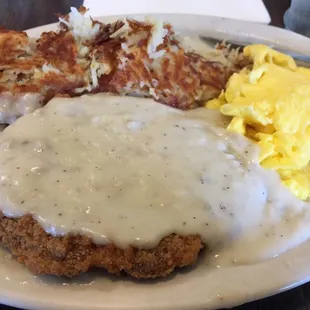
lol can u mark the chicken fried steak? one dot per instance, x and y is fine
(127, 57)
(72, 255)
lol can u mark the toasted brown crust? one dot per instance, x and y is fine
(73, 255)
(176, 78)
(57, 62)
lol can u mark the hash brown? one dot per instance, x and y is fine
(88, 56)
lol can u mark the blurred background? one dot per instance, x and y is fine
(25, 14)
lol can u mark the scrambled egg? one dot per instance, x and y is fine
(270, 104)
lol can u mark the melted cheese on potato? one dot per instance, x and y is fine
(270, 104)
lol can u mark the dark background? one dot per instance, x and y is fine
(24, 14)
(276, 9)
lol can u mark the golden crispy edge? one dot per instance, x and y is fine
(182, 79)
(72, 255)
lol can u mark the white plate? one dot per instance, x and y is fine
(198, 288)
(253, 10)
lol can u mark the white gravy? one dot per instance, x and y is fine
(132, 171)
(13, 106)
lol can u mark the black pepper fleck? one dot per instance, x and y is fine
(184, 223)
(108, 196)
(22, 201)
(165, 134)
(202, 181)
(60, 214)
(17, 167)
(222, 207)
(99, 222)
(207, 224)
(194, 217)
(58, 181)
(64, 170)
(225, 175)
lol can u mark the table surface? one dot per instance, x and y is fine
(14, 18)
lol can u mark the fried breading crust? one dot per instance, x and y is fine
(72, 255)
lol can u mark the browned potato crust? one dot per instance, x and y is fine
(73, 255)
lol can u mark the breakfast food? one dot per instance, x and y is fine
(72, 255)
(126, 57)
(90, 178)
(269, 103)
(123, 194)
